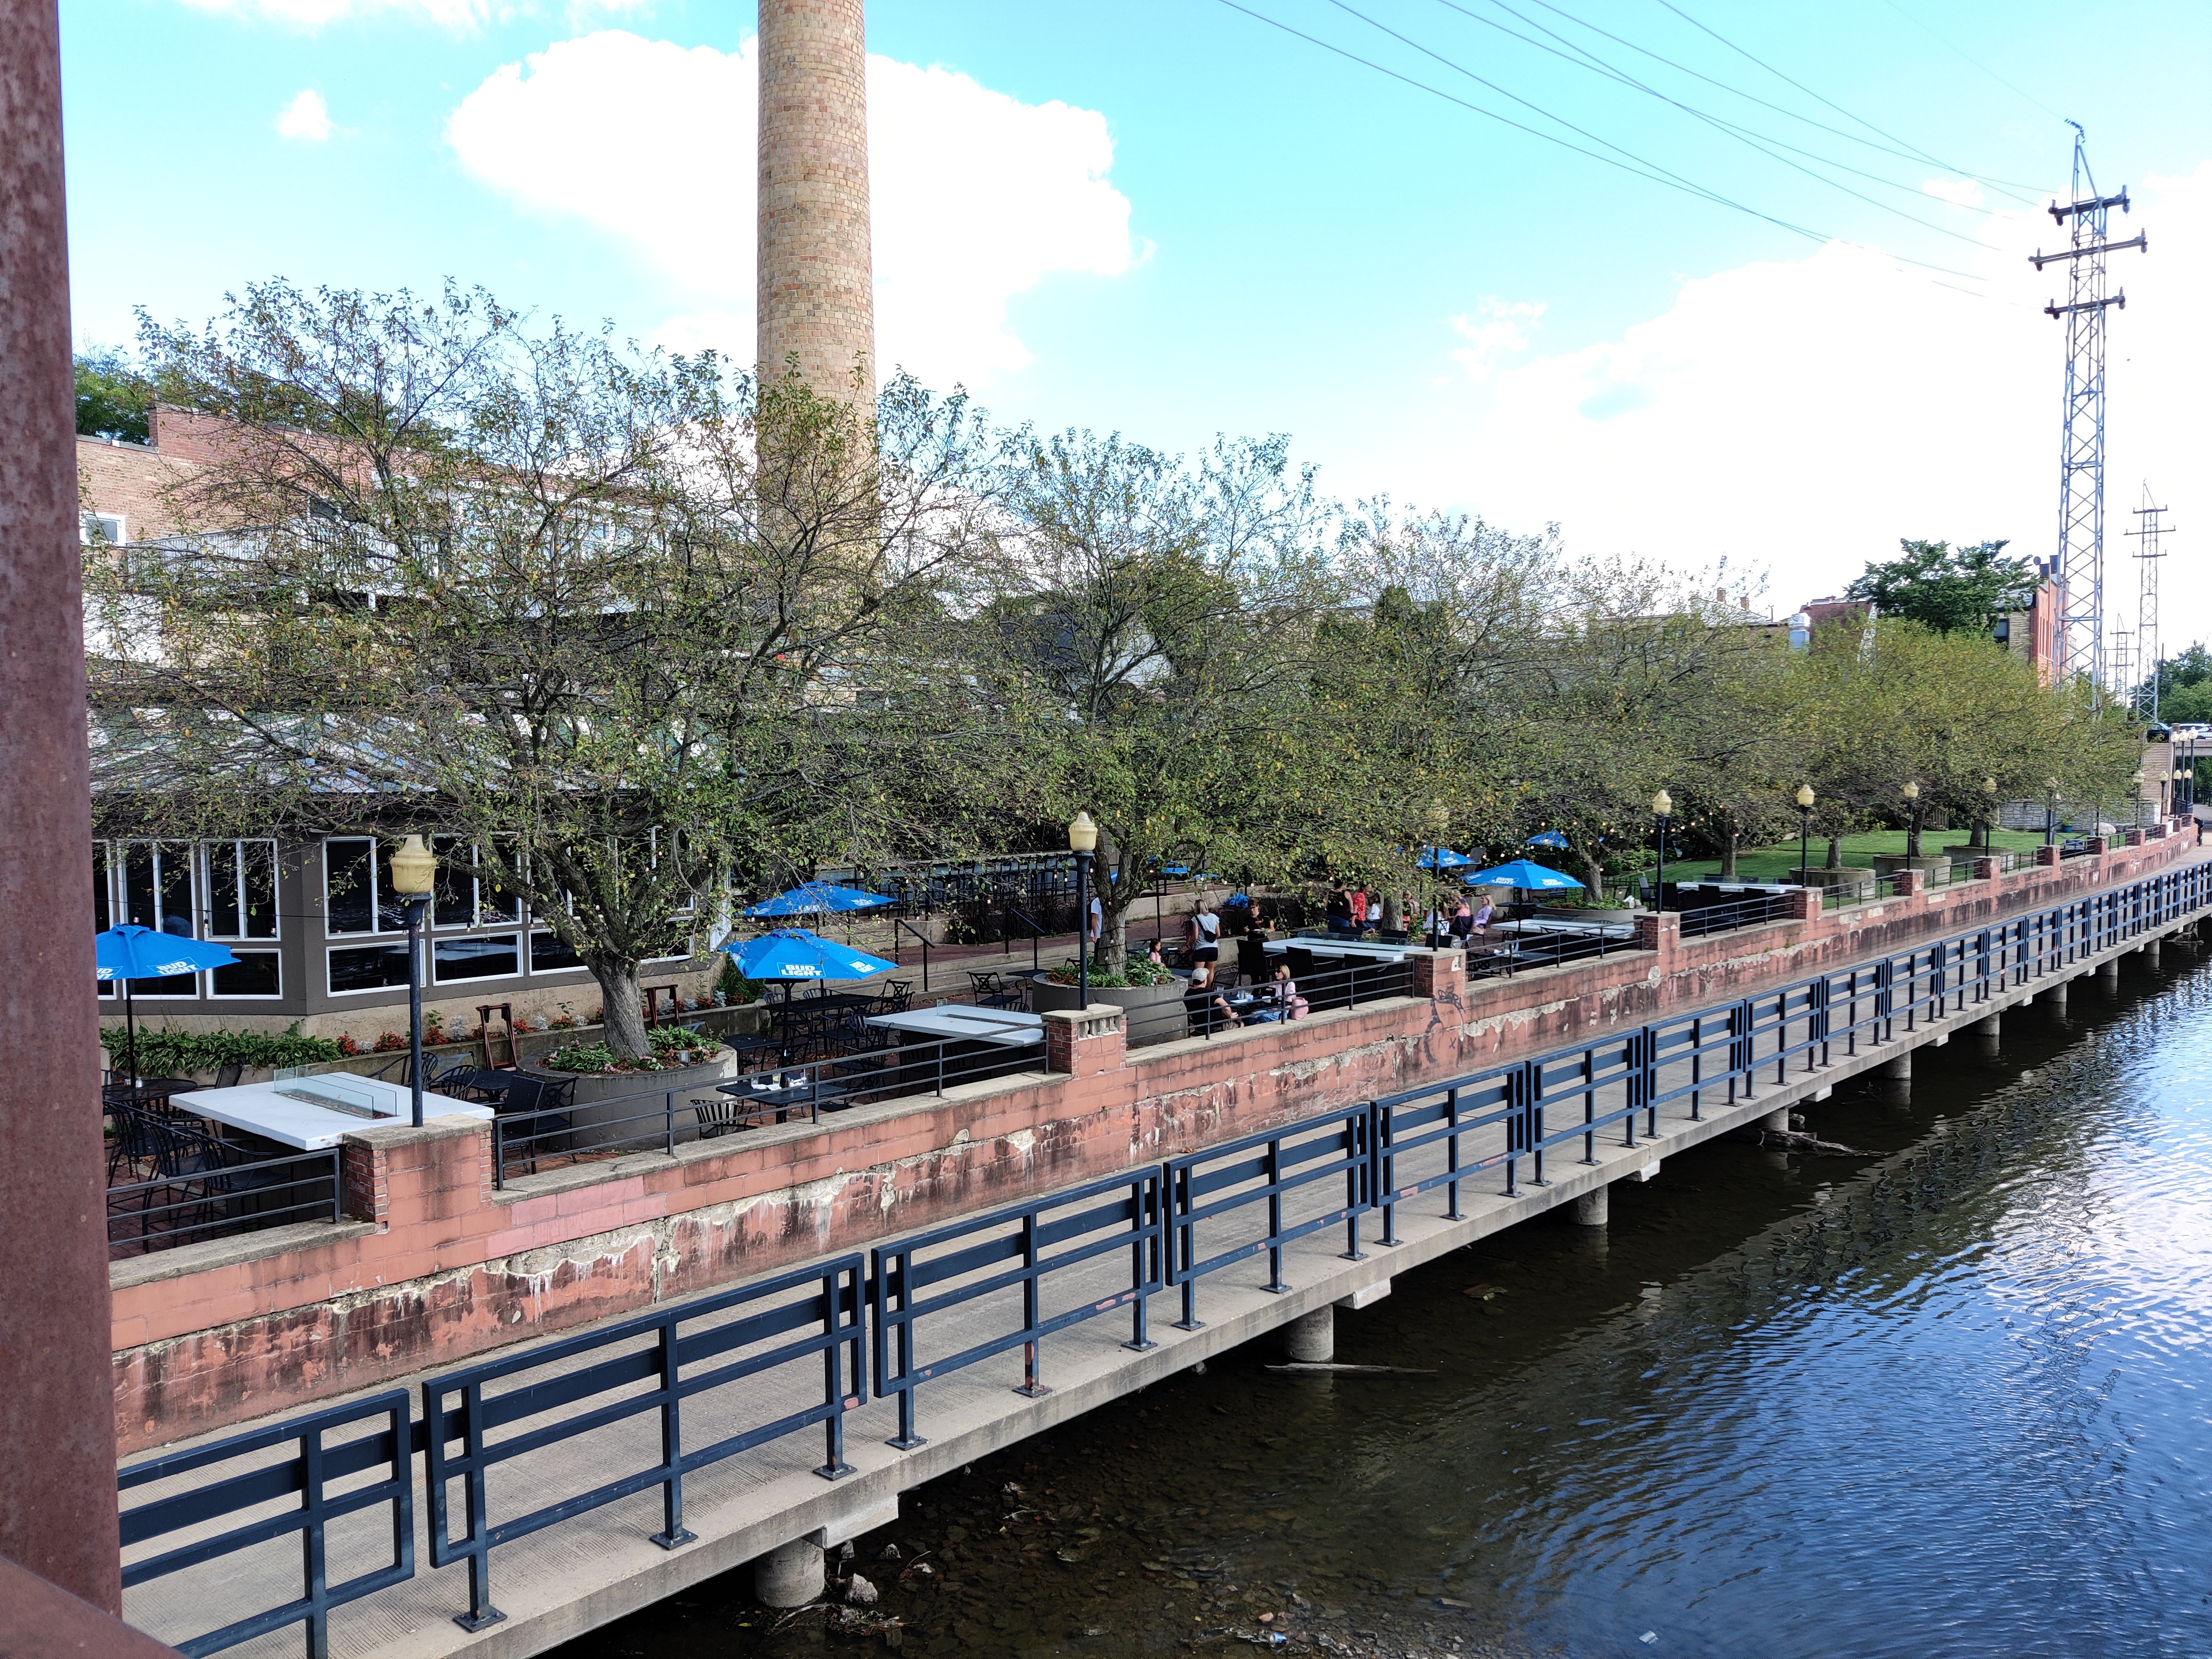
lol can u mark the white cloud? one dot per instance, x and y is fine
(1494, 330)
(976, 197)
(1801, 416)
(1959, 192)
(306, 118)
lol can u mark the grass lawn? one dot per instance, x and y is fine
(1772, 863)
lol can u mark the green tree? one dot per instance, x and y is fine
(535, 594)
(1964, 590)
(114, 398)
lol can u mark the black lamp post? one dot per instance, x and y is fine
(2135, 800)
(414, 875)
(1804, 835)
(1990, 814)
(1662, 808)
(2051, 813)
(1082, 841)
(1912, 833)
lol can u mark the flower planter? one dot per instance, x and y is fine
(1891, 864)
(1046, 997)
(598, 1112)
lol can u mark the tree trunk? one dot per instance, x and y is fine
(1835, 853)
(624, 1010)
(1728, 852)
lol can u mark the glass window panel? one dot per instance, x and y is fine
(138, 905)
(157, 890)
(456, 901)
(497, 903)
(224, 921)
(369, 967)
(103, 902)
(255, 974)
(349, 885)
(258, 879)
(496, 958)
(549, 956)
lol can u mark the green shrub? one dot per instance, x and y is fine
(735, 988)
(186, 1054)
(1139, 972)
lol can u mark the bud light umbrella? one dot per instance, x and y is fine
(792, 955)
(1443, 858)
(1520, 873)
(131, 952)
(1551, 838)
(817, 898)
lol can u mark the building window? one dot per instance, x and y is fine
(549, 956)
(103, 902)
(106, 527)
(498, 957)
(464, 901)
(255, 974)
(368, 968)
(356, 898)
(157, 893)
(242, 889)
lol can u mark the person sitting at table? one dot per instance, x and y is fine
(1204, 1003)
(1482, 915)
(1277, 1000)
(1255, 925)
(1152, 954)
(1462, 920)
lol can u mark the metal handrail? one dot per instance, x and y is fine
(900, 924)
(1036, 937)
(1155, 1211)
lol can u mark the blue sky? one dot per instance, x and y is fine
(1229, 227)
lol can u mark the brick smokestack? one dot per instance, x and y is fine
(816, 299)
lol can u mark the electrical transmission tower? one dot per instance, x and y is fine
(2080, 645)
(2146, 603)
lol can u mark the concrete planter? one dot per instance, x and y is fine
(1842, 883)
(1965, 856)
(599, 1111)
(1046, 997)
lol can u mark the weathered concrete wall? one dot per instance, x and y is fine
(441, 1267)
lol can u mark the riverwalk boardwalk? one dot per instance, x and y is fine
(1001, 1309)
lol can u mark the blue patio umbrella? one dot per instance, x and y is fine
(817, 898)
(130, 951)
(1443, 858)
(794, 953)
(1521, 874)
(1551, 838)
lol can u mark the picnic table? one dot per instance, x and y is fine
(315, 1112)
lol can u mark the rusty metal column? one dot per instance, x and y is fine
(56, 1402)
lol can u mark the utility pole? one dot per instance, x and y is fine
(2080, 647)
(2146, 600)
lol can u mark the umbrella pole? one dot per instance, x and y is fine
(130, 1040)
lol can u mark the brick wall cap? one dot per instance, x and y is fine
(212, 1254)
(406, 1134)
(1070, 1016)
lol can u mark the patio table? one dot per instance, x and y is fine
(1006, 1028)
(315, 1112)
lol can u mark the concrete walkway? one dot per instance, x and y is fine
(598, 1566)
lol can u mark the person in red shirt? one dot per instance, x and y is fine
(1359, 908)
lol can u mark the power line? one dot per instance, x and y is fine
(1971, 58)
(1636, 165)
(1597, 65)
(1933, 161)
(1751, 97)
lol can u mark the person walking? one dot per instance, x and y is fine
(1204, 934)
(1359, 908)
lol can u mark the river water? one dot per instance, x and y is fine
(1949, 1397)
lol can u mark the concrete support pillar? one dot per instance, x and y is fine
(1311, 1339)
(2108, 974)
(1775, 1122)
(1899, 1070)
(2150, 953)
(57, 1412)
(1590, 1210)
(2053, 997)
(790, 1576)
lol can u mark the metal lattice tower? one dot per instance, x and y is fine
(2147, 601)
(2080, 568)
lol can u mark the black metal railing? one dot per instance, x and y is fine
(1230, 1006)
(667, 1119)
(790, 1346)
(182, 1185)
(1754, 910)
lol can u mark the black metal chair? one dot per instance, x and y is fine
(897, 995)
(546, 1101)
(228, 1073)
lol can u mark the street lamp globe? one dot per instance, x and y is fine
(1805, 796)
(1082, 834)
(1912, 791)
(413, 869)
(1662, 803)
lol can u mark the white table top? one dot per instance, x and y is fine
(1009, 1028)
(278, 1110)
(1343, 947)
